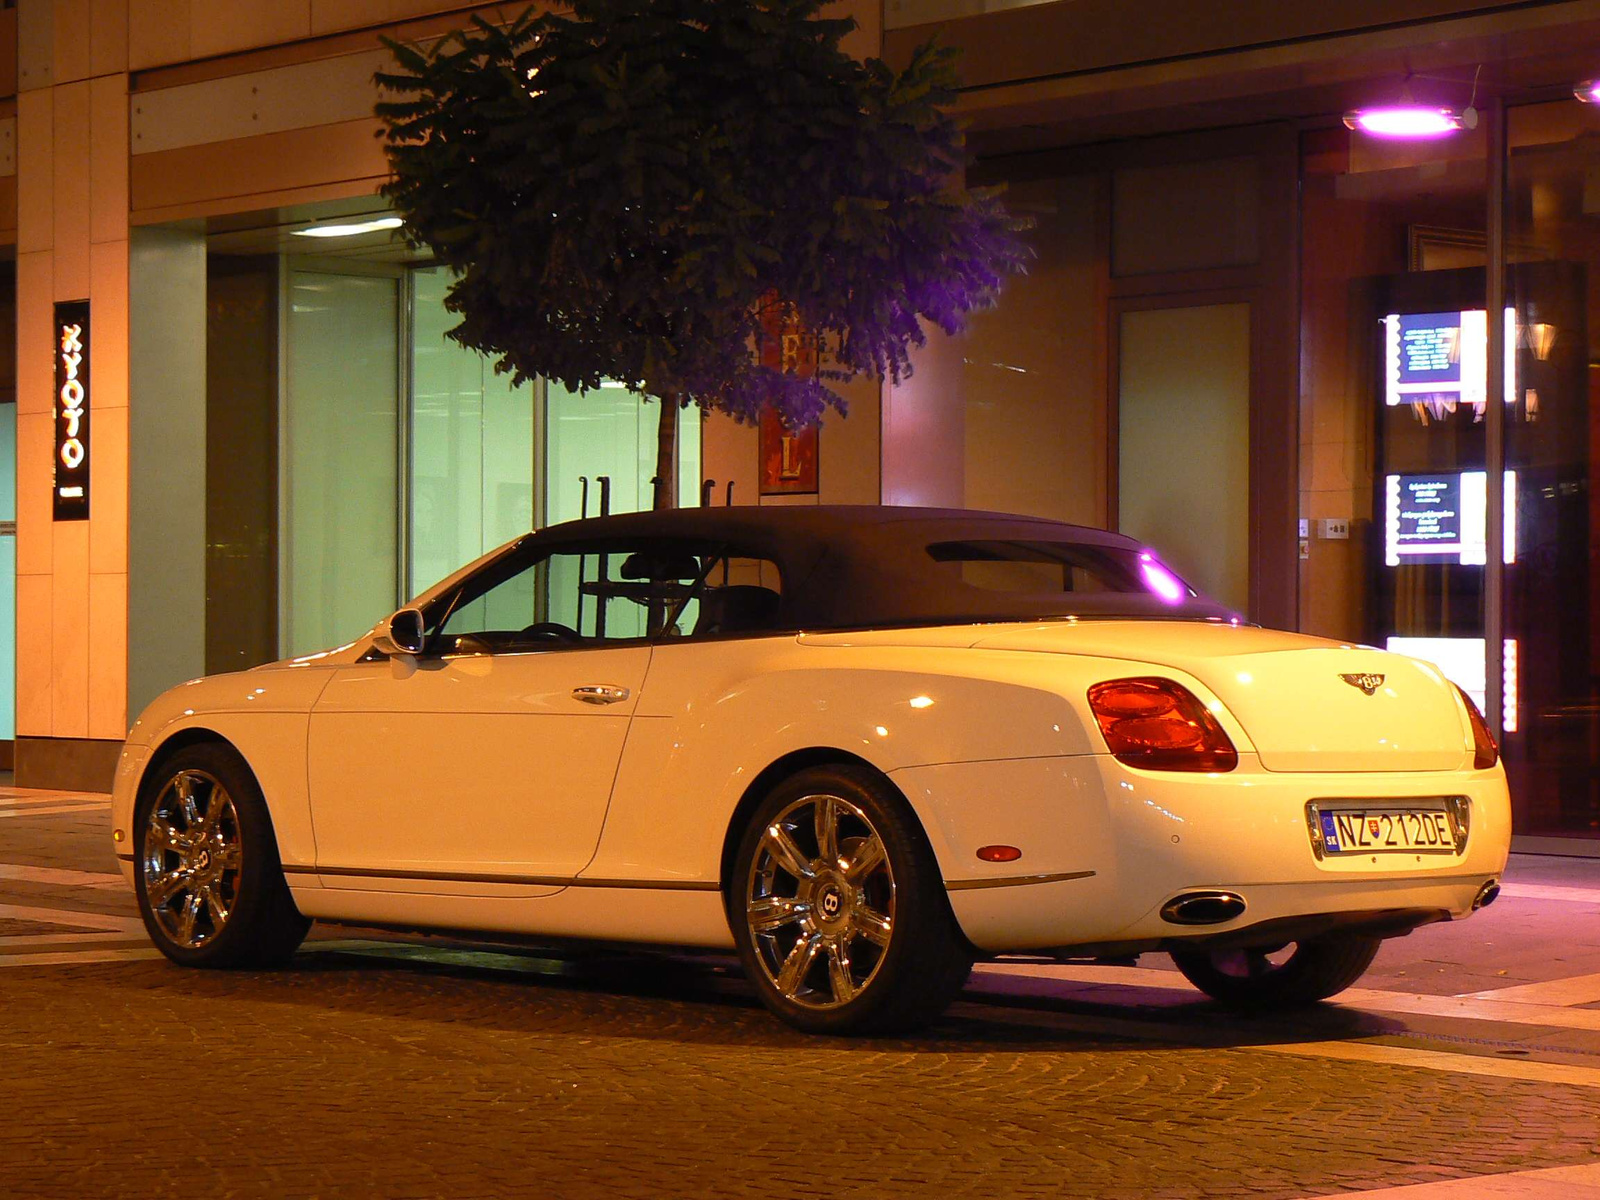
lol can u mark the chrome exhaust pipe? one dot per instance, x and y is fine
(1202, 908)
(1487, 895)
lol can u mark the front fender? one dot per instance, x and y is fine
(264, 715)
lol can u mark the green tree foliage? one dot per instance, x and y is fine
(625, 191)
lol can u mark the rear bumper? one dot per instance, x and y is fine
(1149, 837)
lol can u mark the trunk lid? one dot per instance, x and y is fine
(1307, 704)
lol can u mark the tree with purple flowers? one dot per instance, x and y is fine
(644, 190)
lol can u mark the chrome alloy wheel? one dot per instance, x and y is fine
(820, 901)
(191, 857)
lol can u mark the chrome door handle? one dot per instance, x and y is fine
(600, 693)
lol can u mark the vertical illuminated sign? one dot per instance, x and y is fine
(71, 477)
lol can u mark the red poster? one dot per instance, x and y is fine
(788, 456)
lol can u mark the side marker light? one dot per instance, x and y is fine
(999, 853)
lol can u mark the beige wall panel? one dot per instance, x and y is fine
(924, 429)
(108, 159)
(35, 450)
(222, 26)
(866, 40)
(350, 189)
(71, 192)
(108, 36)
(108, 493)
(729, 450)
(69, 631)
(301, 96)
(250, 166)
(35, 187)
(35, 358)
(8, 147)
(33, 657)
(849, 448)
(108, 656)
(35, 33)
(158, 32)
(70, 40)
(329, 16)
(108, 291)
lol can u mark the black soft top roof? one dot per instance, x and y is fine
(856, 566)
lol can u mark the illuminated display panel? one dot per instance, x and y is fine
(1461, 661)
(1442, 517)
(70, 462)
(1440, 360)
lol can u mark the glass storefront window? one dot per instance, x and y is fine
(610, 434)
(1552, 587)
(1393, 364)
(473, 455)
(472, 444)
(339, 457)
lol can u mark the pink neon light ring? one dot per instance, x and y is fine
(1406, 121)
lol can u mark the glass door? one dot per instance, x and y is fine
(1183, 441)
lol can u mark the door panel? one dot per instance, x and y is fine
(469, 765)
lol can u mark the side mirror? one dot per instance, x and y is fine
(402, 633)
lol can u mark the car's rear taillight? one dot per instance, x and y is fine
(1484, 751)
(1160, 725)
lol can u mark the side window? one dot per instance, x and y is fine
(579, 596)
(740, 595)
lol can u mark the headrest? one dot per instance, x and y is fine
(657, 567)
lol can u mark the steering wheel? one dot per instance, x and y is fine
(553, 630)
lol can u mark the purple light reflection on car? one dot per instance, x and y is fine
(1160, 580)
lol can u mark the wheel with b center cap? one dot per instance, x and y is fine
(839, 909)
(206, 873)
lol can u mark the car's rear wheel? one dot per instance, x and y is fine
(207, 876)
(1286, 976)
(839, 909)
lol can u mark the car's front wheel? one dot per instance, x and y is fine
(839, 909)
(208, 880)
(1286, 976)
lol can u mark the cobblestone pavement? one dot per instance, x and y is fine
(384, 1067)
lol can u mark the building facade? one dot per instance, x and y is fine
(1252, 335)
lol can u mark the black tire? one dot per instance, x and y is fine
(1251, 980)
(897, 975)
(216, 855)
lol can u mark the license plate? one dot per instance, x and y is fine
(1386, 831)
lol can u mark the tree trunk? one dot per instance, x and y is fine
(666, 481)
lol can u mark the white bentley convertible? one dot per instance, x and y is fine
(861, 746)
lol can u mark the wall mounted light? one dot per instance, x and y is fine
(1408, 121)
(1588, 91)
(351, 230)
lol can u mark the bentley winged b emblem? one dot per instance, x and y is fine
(1365, 680)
